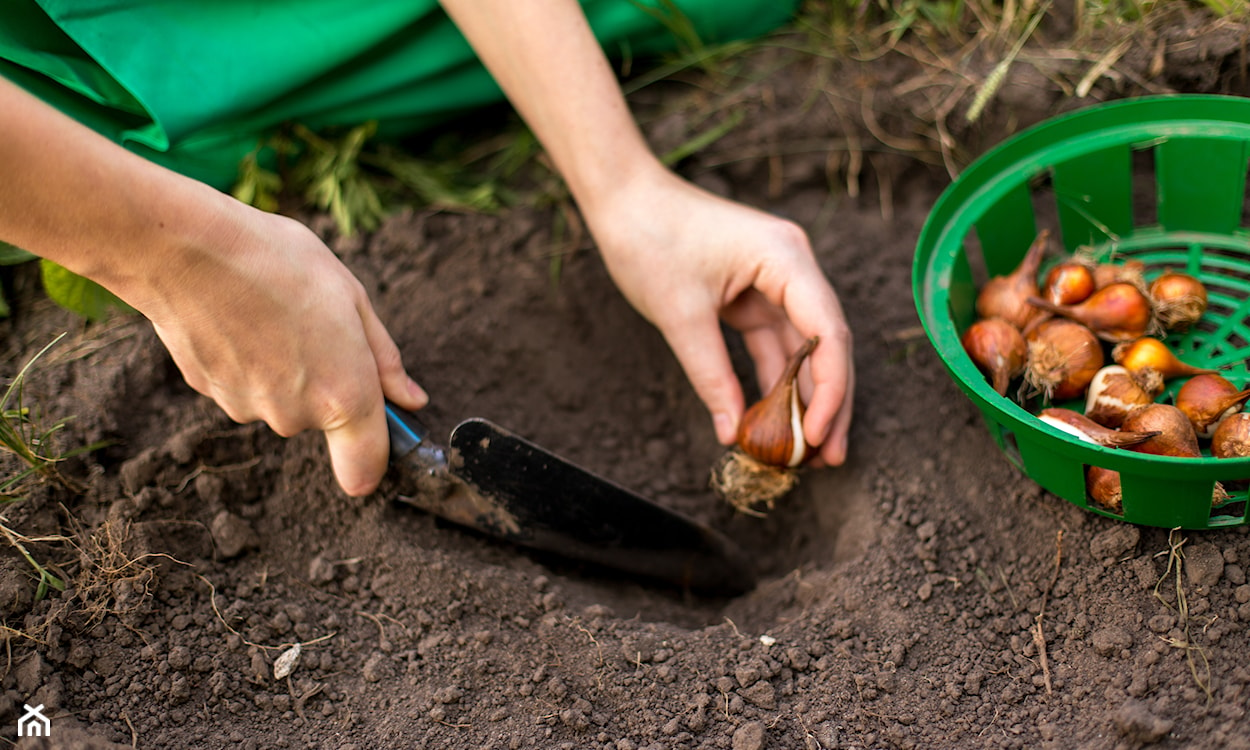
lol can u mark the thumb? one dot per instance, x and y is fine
(700, 348)
(360, 450)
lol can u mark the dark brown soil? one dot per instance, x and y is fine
(901, 594)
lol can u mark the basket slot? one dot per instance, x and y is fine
(1145, 192)
(964, 285)
(1094, 196)
(1210, 200)
(1166, 503)
(1059, 474)
(1006, 230)
(1233, 513)
(1006, 440)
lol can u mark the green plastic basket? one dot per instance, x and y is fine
(1159, 179)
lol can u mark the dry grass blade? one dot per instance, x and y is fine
(1100, 67)
(994, 80)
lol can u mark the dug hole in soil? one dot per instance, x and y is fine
(902, 595)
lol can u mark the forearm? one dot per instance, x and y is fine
(70, 195)
(549, 64)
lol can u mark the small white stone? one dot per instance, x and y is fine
(285, 664)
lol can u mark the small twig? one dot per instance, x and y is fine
(1015, 604)
(303, 698)
(377, 620)
(202, 469)
(1039, 638)
(134, 735)
(212, 598)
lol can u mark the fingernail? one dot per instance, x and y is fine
(418, 393)
(726, 430)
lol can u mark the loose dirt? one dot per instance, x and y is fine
(924, 595)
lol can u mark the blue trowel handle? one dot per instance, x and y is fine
(410, 439)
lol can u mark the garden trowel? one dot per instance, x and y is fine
(500, 484)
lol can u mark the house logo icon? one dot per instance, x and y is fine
(34, 723)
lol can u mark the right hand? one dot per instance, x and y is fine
(262, 318)
(257, 312)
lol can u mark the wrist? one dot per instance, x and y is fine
(162, 236)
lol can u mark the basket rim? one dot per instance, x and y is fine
(1018, 159)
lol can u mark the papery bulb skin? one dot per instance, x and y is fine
(1129, 272)
(998, 349)
(1207, 399)
(1068, 283)
(1179, 300)
(1063, 358)
(1103, 487)
(1231, 438)
(771, 431)
(1176, 435)
(1149, 352)
(1118, 312)
(1113, 394)
(1083, 428)
(1007, 296)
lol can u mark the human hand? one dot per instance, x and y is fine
(261, 317)
(257, 312)
(685, 258)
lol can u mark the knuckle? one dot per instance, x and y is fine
(791, 235)
(340, 405)
(388, 358)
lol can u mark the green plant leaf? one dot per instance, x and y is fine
(331, 178)
(11, 255)
(78, 294)
(257, 186)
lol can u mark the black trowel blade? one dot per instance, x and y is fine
(547, 503)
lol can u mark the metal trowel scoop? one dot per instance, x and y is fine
(500, 484)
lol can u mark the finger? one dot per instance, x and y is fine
(397, 385)
(700, 348)
(359, 451)
(834, 449)
(814, 310)
(828, 413)
(762, 325)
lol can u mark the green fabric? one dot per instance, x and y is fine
(196, 84)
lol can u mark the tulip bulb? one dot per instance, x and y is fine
(1151, 353)
(1113, 394)
(1232, 437)
(1130, 271)
(998, 349)
(1103, 487)
(1083, 428)
(1007, 296)
(1179, 299)
(771, 431)
(1118, 312)
(1068, 283)
(1063, 358)
(1176, 434)
(1207, 399)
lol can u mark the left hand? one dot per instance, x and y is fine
(687, 259)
